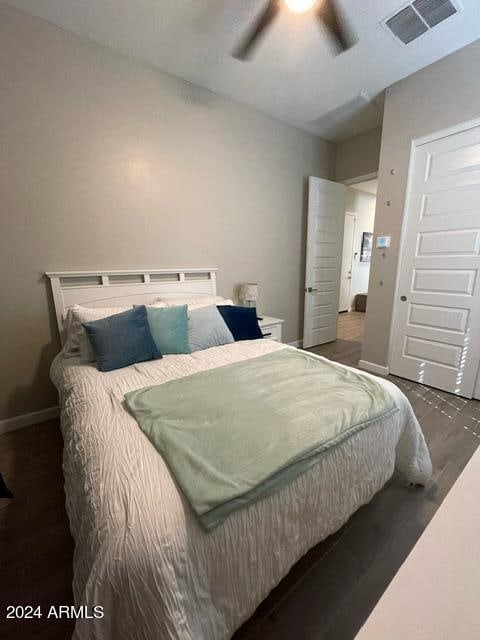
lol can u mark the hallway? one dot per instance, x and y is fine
(351, 326)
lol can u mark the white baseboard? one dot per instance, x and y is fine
(296, 343)
(27, 419)
(374, 368)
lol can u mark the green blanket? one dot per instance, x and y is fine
(233, 434)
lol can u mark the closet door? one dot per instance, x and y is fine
(476, 393)
(436, 333)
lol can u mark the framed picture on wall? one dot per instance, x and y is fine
(367, 244)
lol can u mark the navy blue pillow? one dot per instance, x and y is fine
(122, 339)
(242, 322)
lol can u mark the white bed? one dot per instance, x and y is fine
(140, 552)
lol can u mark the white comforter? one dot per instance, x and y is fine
(140, 552)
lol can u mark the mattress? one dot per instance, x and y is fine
(141, 554)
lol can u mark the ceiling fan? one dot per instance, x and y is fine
(326, 12)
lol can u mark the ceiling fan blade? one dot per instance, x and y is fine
(330, 16)
(266, 17)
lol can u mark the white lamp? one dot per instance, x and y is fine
(248, 294)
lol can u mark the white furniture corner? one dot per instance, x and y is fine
(434, 595)
(271, 328)
(111, 288)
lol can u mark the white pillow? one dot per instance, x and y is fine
(192, 303)
(76, 340)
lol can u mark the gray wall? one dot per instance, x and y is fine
(358, 156)
(108, 163)
(442, 95)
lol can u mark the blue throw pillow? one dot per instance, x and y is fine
(207, 328)
(242, 322)
(122, 339)
(169, 328)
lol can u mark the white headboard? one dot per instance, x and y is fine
(125, 288)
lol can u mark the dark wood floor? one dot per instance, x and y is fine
(326, 596)
(35, 544)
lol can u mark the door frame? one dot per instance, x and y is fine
(354, 216)
(416, 142)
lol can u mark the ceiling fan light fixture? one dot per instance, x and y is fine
(323, 11)
(300, 6)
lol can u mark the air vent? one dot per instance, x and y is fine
(407, 25)
(434, 11)
(417, 18)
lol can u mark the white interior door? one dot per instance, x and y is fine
(476, 392)
(326, 214)
(436, 334)
(347, 262)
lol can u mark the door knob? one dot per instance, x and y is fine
(311, 290)
(403, 298)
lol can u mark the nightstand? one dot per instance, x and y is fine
(271, 328)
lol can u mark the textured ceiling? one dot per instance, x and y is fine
(293, 75)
